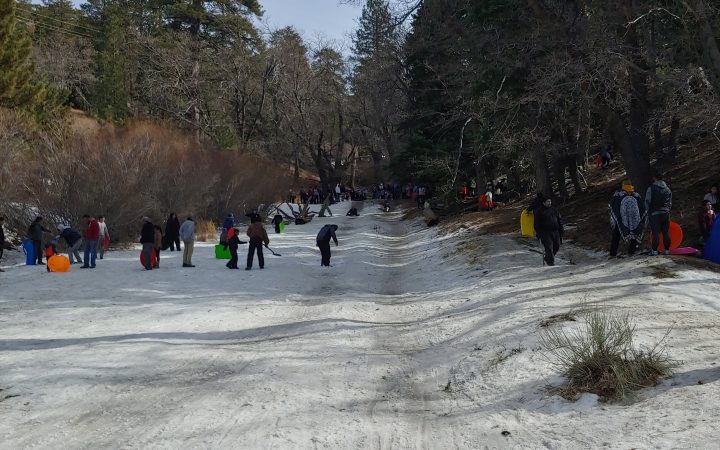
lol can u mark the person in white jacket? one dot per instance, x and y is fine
(187, 234)
(103, 234)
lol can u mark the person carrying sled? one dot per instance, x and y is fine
(257, 234)
(147, 239)
(658, 202)
(233, 244)
(35, 233)
(277, 220)
(549, 230)
(73, 239)
(627, 219)
(172, 232)
(326, 233)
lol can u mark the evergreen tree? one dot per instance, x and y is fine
(18, 88)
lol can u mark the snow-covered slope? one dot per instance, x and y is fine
(413, 339)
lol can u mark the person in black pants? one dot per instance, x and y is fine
(549, 229)
(323, 242)
(658, 203)
(172, 232)
(257, 234)
(277, 220)
(2, 239)
(233, 243)
(35, 233)
(147, 239)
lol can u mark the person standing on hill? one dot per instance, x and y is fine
(257, 234)
(549, 230)
(103, 235)
(172, 232)
(91, 234)
(2, 239)
(35, 233)
(658, 202)
(706, 219)
(322, 240)
(627, 219)
(187, 234)
(147, 239)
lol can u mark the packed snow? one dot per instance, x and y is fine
(415, 338)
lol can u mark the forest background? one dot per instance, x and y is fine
(195, 110)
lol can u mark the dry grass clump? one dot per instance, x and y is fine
(600, 357)
(206, 230)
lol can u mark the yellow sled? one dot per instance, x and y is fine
(527, 224)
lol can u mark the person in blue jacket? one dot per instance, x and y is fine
(229, 222)
(323, 242)
(73, 239)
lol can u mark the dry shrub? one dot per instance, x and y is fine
(206, 230)
(145, 169)
(601, 358)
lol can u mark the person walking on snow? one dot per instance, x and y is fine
(158, 245)
(627, 219)
(187, 234)
(257, 234)
(233, 243)
(73, 239)
(658, 202)
(91, 234)
(172, 232)
(549, 230)
(338, 191)
(147, 239)
(104, 234)
(326, 233)
(35, 233)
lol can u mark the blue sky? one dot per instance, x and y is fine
(313, 18)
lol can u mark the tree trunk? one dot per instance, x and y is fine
(542, 175)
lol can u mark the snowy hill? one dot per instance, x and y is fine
(415, 338)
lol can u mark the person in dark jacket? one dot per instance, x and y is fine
(233, 243)
(229, 222)
(35, 233)
(73, 239)
(172, 232)
(257, 234)
(549, 230)
(147, 239)
(322, 240)
(536, 203)
(658, 202)
(277, 220)
(2, 239)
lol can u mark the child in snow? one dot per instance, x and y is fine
(706, 219)
(549, 230)
(233, 243)
(277, 220)
(323, 242)
(257, 234)
(50, 251)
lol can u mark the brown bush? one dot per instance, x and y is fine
(145, 169)
(206, 230)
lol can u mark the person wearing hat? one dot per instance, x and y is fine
(147, 239)
(627, 218)
(35, 233)
(73, 239)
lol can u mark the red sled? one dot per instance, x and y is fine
(106, 242)
(153, 258)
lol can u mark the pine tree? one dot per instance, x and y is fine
(18, 87)
(376, 35)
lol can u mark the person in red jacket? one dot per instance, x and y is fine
(91, 234)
